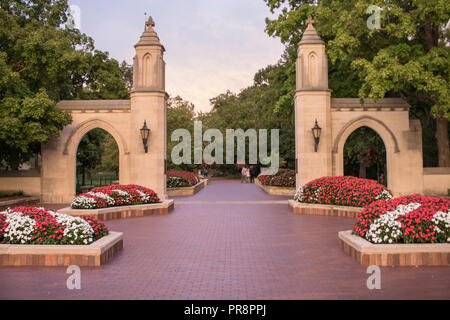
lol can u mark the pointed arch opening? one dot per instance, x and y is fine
(97, 160)
(147, 72)
(313, 70)
(365, 155)
(386, 135)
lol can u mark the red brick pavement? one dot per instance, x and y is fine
(228, 251)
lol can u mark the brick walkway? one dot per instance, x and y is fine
(210, 249)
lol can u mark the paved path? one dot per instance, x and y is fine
(249, 248)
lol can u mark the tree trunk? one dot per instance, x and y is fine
(83, 176)
(362, 169)
(443, 142)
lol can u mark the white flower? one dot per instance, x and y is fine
(442, 221)
(386, 229)
(19, 229)
(385, 195)
(75, 227)
(299, 195)
(144, 197)
(121, 192)
(102, 195)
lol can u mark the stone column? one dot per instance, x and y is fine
(148, 103)
(312, 102)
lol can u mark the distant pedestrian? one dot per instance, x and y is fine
(247, 176)
(243, 174)
(252, 174)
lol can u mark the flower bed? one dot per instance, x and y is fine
(37, 226)
(410, 219)
(181, 179)
(284, 178)
(342, 191)
(115, 196)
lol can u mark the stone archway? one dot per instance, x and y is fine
(389, 118)
(389, 140)
(74, 140)
(123, 119)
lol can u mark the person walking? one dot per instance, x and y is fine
(243, 174)
(247, 176)
(252, 174)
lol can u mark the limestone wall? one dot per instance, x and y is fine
(59, 155)
(436, 181)
(402, 138)
(29, 182)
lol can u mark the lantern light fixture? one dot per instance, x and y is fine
(317, 131)
(145, 134)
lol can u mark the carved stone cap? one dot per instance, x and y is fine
(310, 35)
(149, 37)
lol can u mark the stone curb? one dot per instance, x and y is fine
(394, 255)
(323, 210)
(186, 191)
(276, 191)
(124, 212)
(93, 255)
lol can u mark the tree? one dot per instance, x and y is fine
(408, 56)
(180, 115)
(110, 156)
(42, 62)
(90, 151)
(259, 107)
(364, 149)
(105, 78)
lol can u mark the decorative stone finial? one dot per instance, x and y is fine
(150, 23)
(149, 36)
(310, 35)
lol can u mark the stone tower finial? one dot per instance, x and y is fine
(149, 65)
(310, 35)
(150, 23)
(149, 37)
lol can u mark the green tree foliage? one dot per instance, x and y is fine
(180, 115)
(42, 62)
(90, 151)
(407, 57)
(110, 157)
(365, 155)
(259, 107)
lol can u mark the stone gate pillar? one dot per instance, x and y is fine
(148, 103)
(312, 102)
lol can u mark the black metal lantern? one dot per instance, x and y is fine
(317, 131)
(145, 134)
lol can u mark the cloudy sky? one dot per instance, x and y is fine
(211, 45)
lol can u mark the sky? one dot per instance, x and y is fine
(211, 45)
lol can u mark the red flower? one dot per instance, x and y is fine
(187, 178)
(419, 219)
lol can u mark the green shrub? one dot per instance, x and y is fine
(7, 194)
